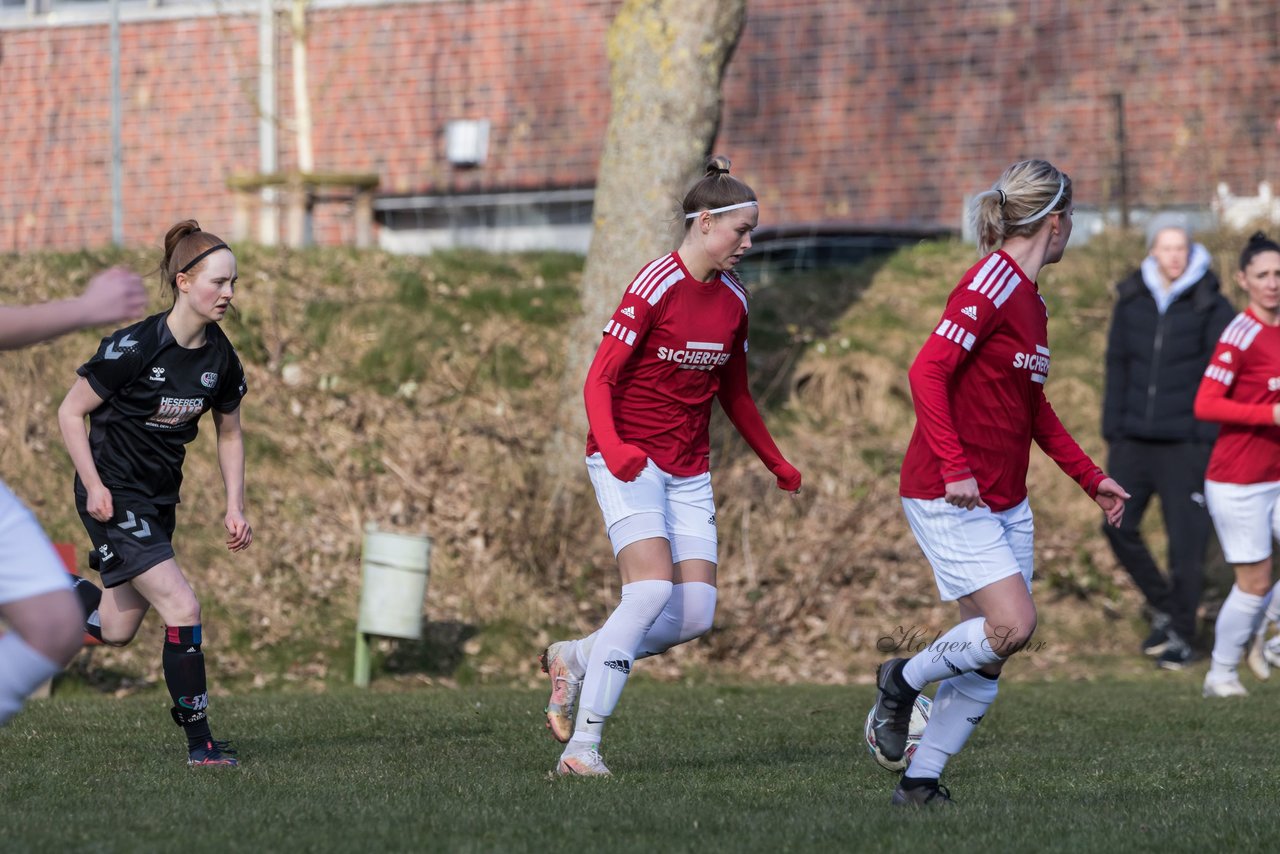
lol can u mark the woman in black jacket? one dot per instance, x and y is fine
(1167, 319)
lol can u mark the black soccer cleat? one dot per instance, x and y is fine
(891, 717)
(1158, 641)
(931, 794)
(212, 753)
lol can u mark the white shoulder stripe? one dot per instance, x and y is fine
(662, 287)
(980, 282)
(1241, 331)
(737, 290)
(1014, 280)
(650, 274)
(996, 280)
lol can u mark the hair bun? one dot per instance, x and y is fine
(1259, 237)
(718, 165)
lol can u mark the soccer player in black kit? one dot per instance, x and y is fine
(144, 392)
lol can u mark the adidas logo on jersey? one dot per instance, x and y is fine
(1225, 358)
(630, 312)
(970, 311)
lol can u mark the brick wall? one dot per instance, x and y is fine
(862, 112)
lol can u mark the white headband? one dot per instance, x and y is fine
(1062, 185)
(723, 209)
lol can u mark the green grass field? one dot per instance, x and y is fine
(1139, 765)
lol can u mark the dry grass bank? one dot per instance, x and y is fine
(418, 393)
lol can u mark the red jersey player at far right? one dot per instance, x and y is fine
(677, 339)
(1241, 390)
(978, 387)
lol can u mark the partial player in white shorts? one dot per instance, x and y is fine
(1246, 517)
(657, 504)
(28, 564)
(969, 549)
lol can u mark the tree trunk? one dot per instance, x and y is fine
(667, 60)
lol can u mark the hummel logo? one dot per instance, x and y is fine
(630, 312)
(157, 375)
(620, 664)
(970, 311)
(1225, 358)
(975, 721)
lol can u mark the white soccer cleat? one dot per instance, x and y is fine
(1224, 687)
(1257, 657)
(1271, 651)
(564, 691)
(583, 762)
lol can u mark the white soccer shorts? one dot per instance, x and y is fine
(1246, 517)
(657, 504)
(969, 549)
(29, 566)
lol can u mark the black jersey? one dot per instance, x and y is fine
(154, 392)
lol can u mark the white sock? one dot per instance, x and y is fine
(959, 706)
(960, 650)
(687, 615)
(613, 652)
(1273, 607)
(1237, 622)
(22, 669)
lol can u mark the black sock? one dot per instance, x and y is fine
(184, 675)
(909, 783)
(90, 598)
(900, 680)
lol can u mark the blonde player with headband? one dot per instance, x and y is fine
(677, 339)
(978, 385)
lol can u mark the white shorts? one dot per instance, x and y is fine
(1246, 517)
(656, 504)
(28, 564)
(969, 549)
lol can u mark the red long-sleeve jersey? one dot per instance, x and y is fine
(1240, 389)
(673, 343)
(978, 388)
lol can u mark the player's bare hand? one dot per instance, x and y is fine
(113, 296)
(239, 533)
(1111, 498)
(964, 494)
(100, 505)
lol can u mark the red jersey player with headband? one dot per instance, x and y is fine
(978, 387)
(677, 339)
(1241, 390)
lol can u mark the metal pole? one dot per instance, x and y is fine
(268, 223)
(117, 152)
(1122, 163)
